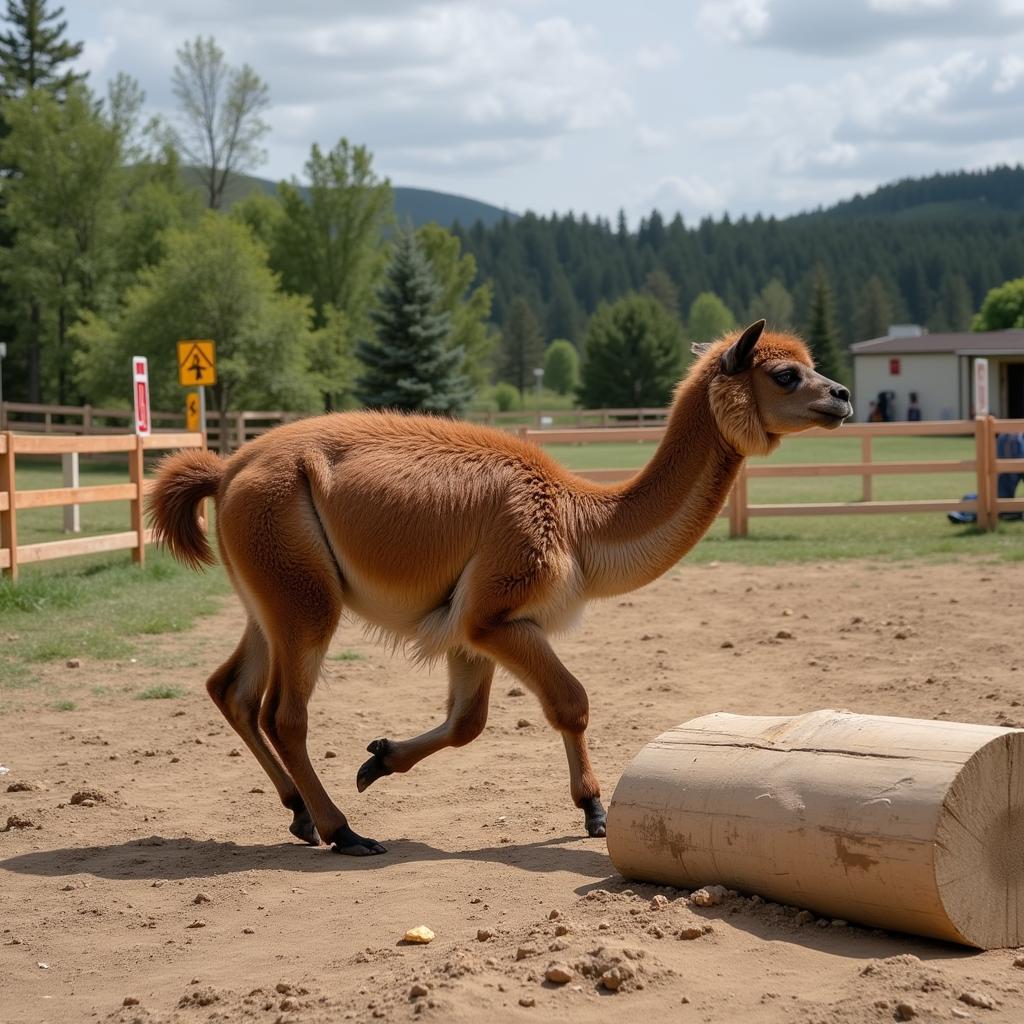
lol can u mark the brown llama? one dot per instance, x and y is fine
(458, 540)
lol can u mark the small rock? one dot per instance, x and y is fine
(656, 932)
(523, 723)
(17, 821)
(659, 902)
(197, 923)
(130, 1001)
(248, 931)
(905, 1011)
(524, 951)
(559, 974)
(1019, 962)
(840, 923)
(330, 753)
(516, 691)
(726, 644)
(418, 991)
(73, 663)
(92, 795)
(419, 935)
(804, 917)
(787, 612)
(959, 1014)
(554, 915)
(288, 1004)
(978, 999)
(616, 977)
(67, 888)
(901, 635)
(709, 895)
(201, 897)
(691, 932)
(561, 928)
(558, 945)
(282, 986)
(527, 1001)
(483, 934)
(22, 787)
(783, 634)
(234, 752)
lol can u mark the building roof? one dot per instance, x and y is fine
(983, 343)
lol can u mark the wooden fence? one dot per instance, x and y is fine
(12, 500)
(25, 418)
(985, 466)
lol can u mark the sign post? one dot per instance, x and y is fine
(140, 380)
(193, 420)
(980, 387)
(197, 367)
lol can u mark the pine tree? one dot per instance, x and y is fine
(410, 364)
(33, 51)
(874, 312)
(522, 347)
(822, 336)
(774, 304)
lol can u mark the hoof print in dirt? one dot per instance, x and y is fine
(348, 843)
(376, 767)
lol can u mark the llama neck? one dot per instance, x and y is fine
(644, 527)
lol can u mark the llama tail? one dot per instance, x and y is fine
(182, 481)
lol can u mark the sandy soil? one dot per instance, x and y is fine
(180, 891)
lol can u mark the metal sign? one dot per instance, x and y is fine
(197, 363)
(980, 387)
(140, 382)
(192, 418)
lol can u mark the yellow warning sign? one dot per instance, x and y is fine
(197, 363)
(192, 413)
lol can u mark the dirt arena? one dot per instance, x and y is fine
(175, 893)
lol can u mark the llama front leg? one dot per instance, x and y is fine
(522, 647)
(469, 689)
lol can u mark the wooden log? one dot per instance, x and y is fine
(900, 823)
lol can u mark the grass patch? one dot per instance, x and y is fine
(99, 608)
(161, 693)
(347, 656)
(63, 705)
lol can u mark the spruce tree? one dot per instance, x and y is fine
(522, 347)
(822, 336)
(410, 364)
(34, 52)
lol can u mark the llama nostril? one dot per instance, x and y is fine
(838, 391)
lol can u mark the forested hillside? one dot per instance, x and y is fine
(924, 251)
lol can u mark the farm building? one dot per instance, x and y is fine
(939, 369)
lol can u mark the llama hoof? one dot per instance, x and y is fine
(595, 816)
(347, 842)
(376, 767)
(302, 827)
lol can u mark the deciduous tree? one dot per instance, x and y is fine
(522, 347)
(709, 318)
(562, 367)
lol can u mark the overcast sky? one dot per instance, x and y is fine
(700, 106)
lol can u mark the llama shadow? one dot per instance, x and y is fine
(162, 858)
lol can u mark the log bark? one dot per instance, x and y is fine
(899, 823)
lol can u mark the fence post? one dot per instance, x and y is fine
(9, 518)
(993, 472)
(86, 419)
(239, 430)
(137, 473)
(866, 489)
(744, 500)
(983, 459)
(738, 516)
(69, 473)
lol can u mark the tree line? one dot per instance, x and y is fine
(318, 299)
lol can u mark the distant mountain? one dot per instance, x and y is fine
(969, 194)
(418, 205)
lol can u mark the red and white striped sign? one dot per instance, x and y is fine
(140, 379)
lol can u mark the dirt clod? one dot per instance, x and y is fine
(559, 973)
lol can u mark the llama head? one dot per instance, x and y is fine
(762, 385)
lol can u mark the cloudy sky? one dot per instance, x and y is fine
(700, 106)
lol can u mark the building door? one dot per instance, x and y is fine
(1015, 390)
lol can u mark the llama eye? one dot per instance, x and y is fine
(786, 378)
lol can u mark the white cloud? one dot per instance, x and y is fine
(656, 57)
(651, 139)
(690, 194)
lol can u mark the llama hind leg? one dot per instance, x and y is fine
(237, 688)
(523, 648)
(469, 689)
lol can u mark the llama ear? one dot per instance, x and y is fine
(698, 348)
(740, 355)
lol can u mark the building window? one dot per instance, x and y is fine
(894, 367)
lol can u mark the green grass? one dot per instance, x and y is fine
(97, 608)
(821, 538)
(63, 705)
(161, 693)
(347, 656)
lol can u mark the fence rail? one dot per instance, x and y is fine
(740, 511)
(13, 554)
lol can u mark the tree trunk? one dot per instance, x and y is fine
(34, 360)
(894, 822)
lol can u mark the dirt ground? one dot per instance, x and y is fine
(180, 892)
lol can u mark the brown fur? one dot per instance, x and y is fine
(459, 541)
